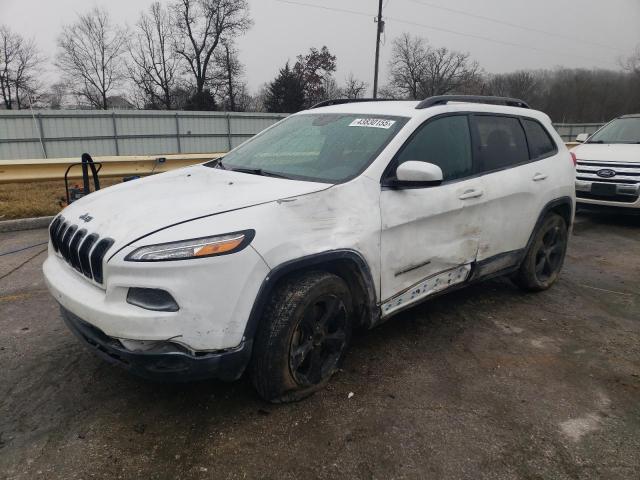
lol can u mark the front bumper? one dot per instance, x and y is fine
(167, 362)
(623, 196)
(215, 296)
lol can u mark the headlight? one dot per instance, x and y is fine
(194, 248)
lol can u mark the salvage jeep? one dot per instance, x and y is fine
(336, 218)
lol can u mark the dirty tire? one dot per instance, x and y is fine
(543, 261)
(302, 337)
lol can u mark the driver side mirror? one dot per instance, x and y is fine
(417, 174)
(582, 137)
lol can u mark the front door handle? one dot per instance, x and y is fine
(471, 193)
(538, 177)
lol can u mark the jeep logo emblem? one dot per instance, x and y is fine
(606, 173)
(86, 217)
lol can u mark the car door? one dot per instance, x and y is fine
(430, 235)
(515, 175)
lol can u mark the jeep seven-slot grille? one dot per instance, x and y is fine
(83, 252)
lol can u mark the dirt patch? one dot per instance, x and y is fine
(36, 199)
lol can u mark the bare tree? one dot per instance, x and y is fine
(55, 96)
(408, 64)
(154, 62)
(201, 25)
(354, 88)
(632, 64)
(91, 56)
(228, 76)
(447, 71)
(522, 84)
(419, 70)
(19, 64)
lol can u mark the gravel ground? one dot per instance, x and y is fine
(486, 382)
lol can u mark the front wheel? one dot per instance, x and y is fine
(545, 257)
(303, 336)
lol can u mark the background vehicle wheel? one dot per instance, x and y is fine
(544, 259)
(302, 337)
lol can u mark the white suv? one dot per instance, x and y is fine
(335, 218)
(608, 173)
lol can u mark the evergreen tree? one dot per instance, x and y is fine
(285, 94)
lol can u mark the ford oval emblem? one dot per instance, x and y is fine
(606, 173)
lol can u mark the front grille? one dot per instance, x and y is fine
(83, 252)
(626, 173)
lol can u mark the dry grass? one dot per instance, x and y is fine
(37, 199)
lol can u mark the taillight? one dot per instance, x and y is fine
(573, 158)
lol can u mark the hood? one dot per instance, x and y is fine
(128, 211)
(608, 152)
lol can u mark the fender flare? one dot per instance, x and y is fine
(307, 263)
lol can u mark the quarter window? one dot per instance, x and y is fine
(445, 142)
(540, 144)
(501, 142)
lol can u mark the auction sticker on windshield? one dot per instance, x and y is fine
(372, 123)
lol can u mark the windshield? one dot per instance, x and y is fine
(320, 147)
(621, 130)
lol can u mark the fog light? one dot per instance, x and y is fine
(152, 299)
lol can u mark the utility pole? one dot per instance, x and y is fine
(380, 25)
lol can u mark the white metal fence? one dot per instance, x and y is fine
(569, 131)
(69, 133)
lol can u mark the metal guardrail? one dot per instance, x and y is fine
(13, 171)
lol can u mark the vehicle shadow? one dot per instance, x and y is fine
(586, 220)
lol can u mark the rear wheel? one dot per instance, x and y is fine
(545, 257)
(303, 337)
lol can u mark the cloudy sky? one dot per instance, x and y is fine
(502, 35)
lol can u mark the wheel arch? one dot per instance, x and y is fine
(347, 264)
(563, 206)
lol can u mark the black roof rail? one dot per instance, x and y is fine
(341, 101)
(444, 99)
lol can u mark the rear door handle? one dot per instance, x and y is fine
(471, 193)
(538, 177)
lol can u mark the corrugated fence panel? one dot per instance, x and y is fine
(19, 127)
(69, 133)
(75, 148)
(195, 144)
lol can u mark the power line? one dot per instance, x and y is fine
(493, 40)
(514, 25)
(322, 7)
(446, 30)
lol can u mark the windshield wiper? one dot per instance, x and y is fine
(259, 171)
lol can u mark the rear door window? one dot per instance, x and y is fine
(540, 143)
(501, 142)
